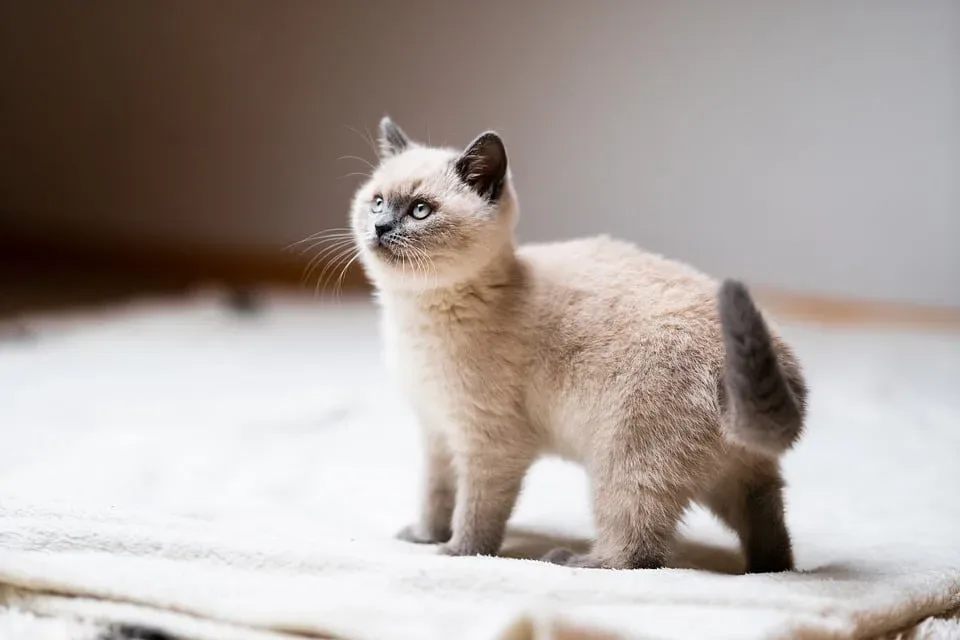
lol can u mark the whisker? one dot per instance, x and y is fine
(314, 236)
(365, 138)
(420, 262)
(338, 290)
(403, 259)
(345, 260)
(330, 252)
(338, 238)
(329, 267)
(422, 266)
(427, 261)
(318, 259)
(432, 265)
(372, 142)
(410, 252)
(334, 240)
(314, 263)
(416, 257)
(359, 159)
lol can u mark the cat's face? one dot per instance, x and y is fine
(431, 217)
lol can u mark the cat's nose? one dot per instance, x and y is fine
(383, 227)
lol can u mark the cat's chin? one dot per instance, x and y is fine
(387, 255)
(390, 270)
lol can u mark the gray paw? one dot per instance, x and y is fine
(558, 556)
(449, 550)
(416, 534)
(452, 549)
(568, 558)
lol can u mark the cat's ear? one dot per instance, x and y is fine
(393, 140)
(483, 165)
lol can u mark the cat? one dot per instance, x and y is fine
(667, 386)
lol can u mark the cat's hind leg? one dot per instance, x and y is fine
(750, 501)
(635, 525)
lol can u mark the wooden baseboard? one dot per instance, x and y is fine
(169, 266)
(830, 310)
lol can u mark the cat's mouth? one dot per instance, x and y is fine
(386, 250)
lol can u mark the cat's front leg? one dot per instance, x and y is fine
(489, 481)
(439, 495)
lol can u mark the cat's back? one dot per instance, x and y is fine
(602, 278)
(598, 301)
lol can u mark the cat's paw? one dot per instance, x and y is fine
(418, 535)
(568, 558)
(451, 549)
(558, 556)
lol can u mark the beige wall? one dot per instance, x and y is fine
(808, 145)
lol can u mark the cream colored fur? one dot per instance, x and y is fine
(590, 349)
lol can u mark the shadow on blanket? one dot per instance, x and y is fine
(532, 544)
(134, 632)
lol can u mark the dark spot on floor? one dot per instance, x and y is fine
(134, 632)
(244, 302)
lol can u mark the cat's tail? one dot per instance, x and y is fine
(764, 401)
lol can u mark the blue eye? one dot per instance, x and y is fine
(420, 210)
(377, 205)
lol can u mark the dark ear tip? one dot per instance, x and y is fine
(490, 137)
(483, 165)
(491, 143)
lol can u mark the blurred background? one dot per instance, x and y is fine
(812, 148)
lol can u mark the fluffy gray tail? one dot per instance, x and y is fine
(764, 404)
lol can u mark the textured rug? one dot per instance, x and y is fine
(194, 471)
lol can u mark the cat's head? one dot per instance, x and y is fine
(431, 217)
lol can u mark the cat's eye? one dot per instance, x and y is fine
(377, 205)
(420, 210)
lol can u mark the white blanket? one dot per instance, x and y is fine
(220, 476)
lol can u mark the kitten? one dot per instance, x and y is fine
(666, 387)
